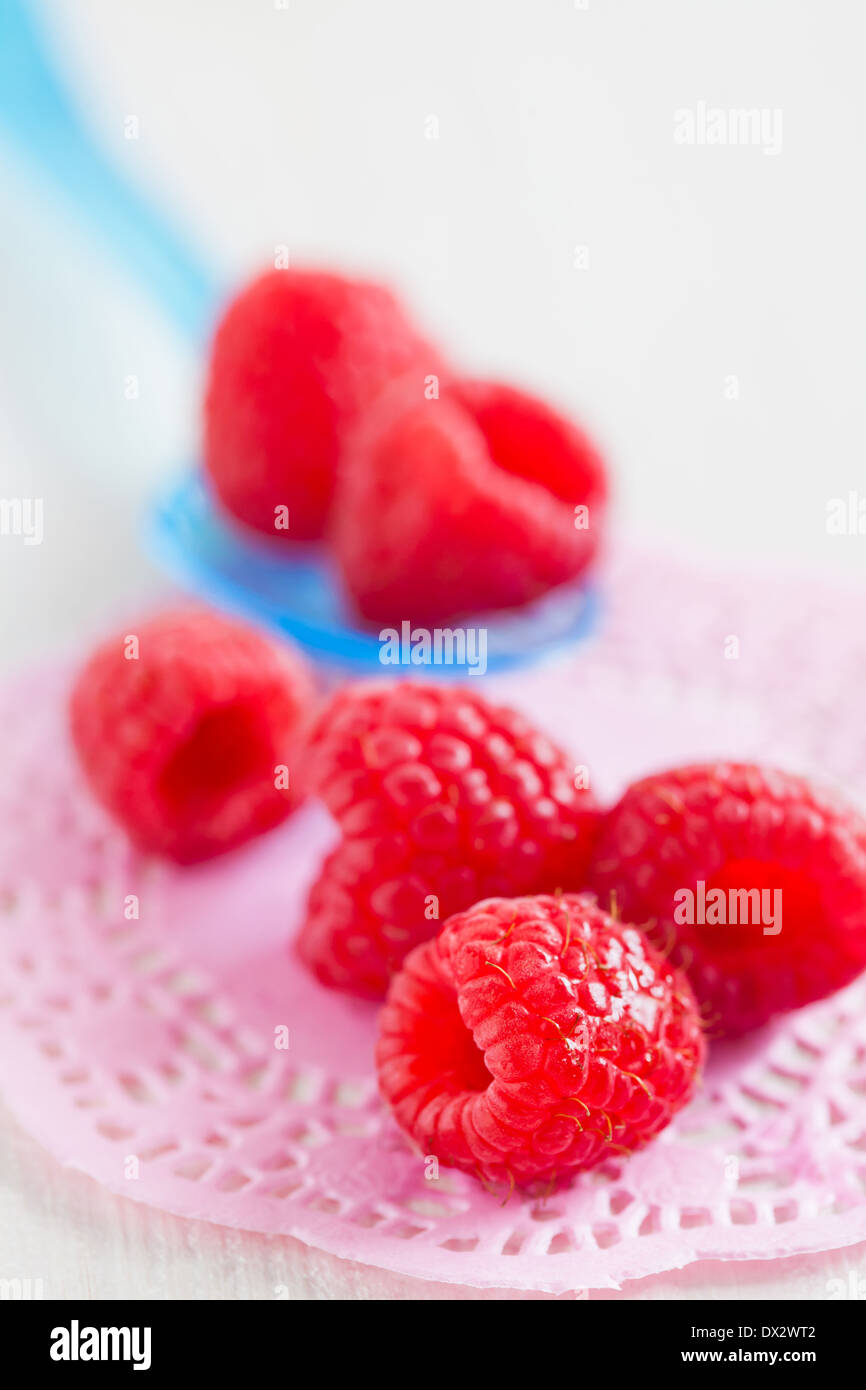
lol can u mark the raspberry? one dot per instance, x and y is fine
(182, 740)
(297, 355)
(716, 844)
(528, 439)
(535, 1037)
(442, 799)
(463, 505)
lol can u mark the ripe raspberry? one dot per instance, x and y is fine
(731, 830)
(297, 356)
(529, 439)
(442, 799)
(535, 1037)
(182, 743)
(464, 504)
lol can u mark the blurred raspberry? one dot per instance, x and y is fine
(297, 356)
(182, 729)
(464, 504)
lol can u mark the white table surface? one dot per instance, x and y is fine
(305, 125)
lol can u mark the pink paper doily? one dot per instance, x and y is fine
(143, 1050)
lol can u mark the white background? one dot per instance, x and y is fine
(307, 126)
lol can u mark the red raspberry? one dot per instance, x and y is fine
(297, 356)
(536, 1037)
(737, 829)
(183, 743)
(529, 439)
(464, 504)
(442, 799)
